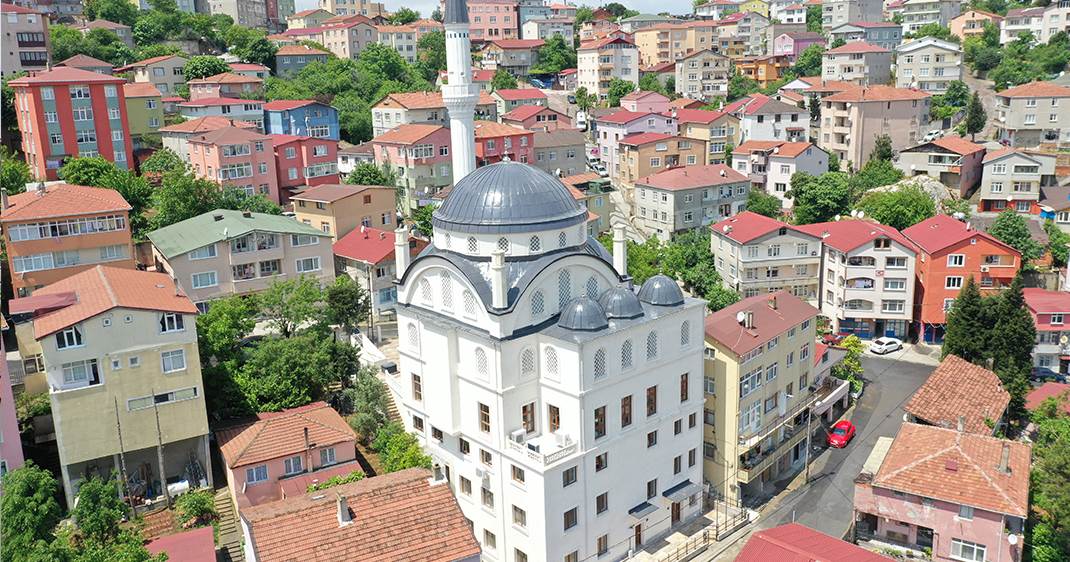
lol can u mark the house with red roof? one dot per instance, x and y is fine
(687, 197)
(615, 126)
(643, 154)
(867, 277)
(1058, 390)
(1013, 178)
(762, 254)
(164, 72)
(971, 23)
(640, 101)
(308, 118)
(1026, 115)
(339, 208)
(770, 164)
(86, 62)
(537, 118)
(250, 69)
(852, 119)
(367, 255)
(858, 62)
(232, 108)
(949, 251)
(515, 56)
(509, 100)
(954, 494)
(420, 155)
(715, 129)
(225, 85)
(797, 542)
(176, 137)
(793, 43)
(953, 160)
(236, 158)
(144, 111)
(195, 545)
(601, 60)
(403, 108)
(498, 141)
(303, 161)
(292, 59)
(764, 118)
(1050, 309)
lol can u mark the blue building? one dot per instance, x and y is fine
(307, 118)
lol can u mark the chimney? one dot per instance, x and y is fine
(3, 199)
(497, 279)
(401, 252)
(40, 189)
(345, 517)
(748, 319)
(961, 424)
(1005, 458)
(772, 302)
(247, 214)
(620, 250)
(217, 218)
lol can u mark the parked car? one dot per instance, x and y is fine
(601, 169)
(841, 434)
(880, 346)
(571, 99)
(834, 339)
(932, 135)
(1044, 374)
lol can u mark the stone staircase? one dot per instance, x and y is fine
(229, 548)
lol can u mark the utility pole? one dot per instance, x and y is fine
(122, 459)
(159, 452)
(809, 432)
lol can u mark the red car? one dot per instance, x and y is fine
(833, 339)
(841, 434)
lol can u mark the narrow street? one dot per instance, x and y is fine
(988, 100)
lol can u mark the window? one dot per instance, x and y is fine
(489, 540)
(203, 252)
(484, 418)
(570, 518)
(651, 400)
(602, 503)
(1057, 318)
(965, 512)
(292, 465)
(306, 265)
(651, 489)
(568, 477)
(70, 337)
(683, 387)
(81, 371)
(417, 387)
(600, 363)
(488, 498)
(601, 462)
(297, 240)
(956, 260)
(485, 457)
(599, 422)
(626, 355)
(651, 439)
(327, 456)
(256, 474)
(966, 550)
(173, 361)
(626, 411)
(520, 517)
(953, 282)
(463, 445)
(651, 345)
(170, 322)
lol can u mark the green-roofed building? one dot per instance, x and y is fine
(224, 253)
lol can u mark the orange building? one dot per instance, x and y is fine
(949, 252)
(497, 141)
(58, 230)
(765, 69)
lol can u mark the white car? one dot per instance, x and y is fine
(880, 346)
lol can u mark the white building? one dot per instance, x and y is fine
(757, 254)
(928, 64)
(764, 118)
(460, 94)
(600, 61)
(919, 13)
(769, 165)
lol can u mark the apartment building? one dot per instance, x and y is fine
(757, 254)
(643, 154)
(640, 101)
(686, 198)
(852, 119)
(307, 118)
(420, 155)
(338, 209)
(764, 69)
(1013, 179)
(251, 111)
(716, 9)
(949, 250)
(857, 62)
(601, 60)
(971, 23)
(536, 118)
(560, 152)
(792, 44)
(499, 141)
(308, 18)
(367, 256)
(887, 35)
(246, 13)
(788, 12)
(764, 118)
(236, 158)
(619, 124)
(422, 107)
(838, 12)
(346, 39)
(58, 230)
(928, 64)
(292, 59)
(1049, 310)
(546, 28)
(515, 56)
(510, 99)
(250, 69)
(176, 137)
(144, 111)
(919, 13)
(404, 38)
(953, 160)
(1020, 21)
(751, 27)
(769, 165)
(956, 495)
(164, 72)
(717, 129)
(25, 41)
(301, 162)
(703, 75)
(11, 456)
(759, 392)
(84, 62)
(868, 276)
(68, 112)
(489, 20)
(1032, 114)
(95, 327)
(225, 85)
(539, 441)
(223, 253)
(354, 7)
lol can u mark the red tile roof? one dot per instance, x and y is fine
(6, 8)
(331, 192)
(871, 24)
(229, 135)
(846, 235)
(997, 154)
(685, 103)
(493, 129)
(577, 179)
(692, 177)
(941, 231)
(1057, 390)
(746, 226)
(226, 78)
(703, 116)
(372, 245)
(408, 133)
(1036, 90)
(526, 112)
(642, 94)
(62, 200)
(247, 66)
(394, 517)
(205, 124)
(196, 545)
(659, 68)
(277, 435)
(957, 467)
(84, 61)
(153, 60)
(877, 93)
(623, 117)
(639, 139)
(208, 102)
(782, 148)
(521, 94)
(299, 50)
(283, 105)
(958, 388)
(66, 75)
(305, 13)
(768, 322)
(101, 289)
(760, 103)
(423, 100)
(1043, 301)
(958, 145)
(140, 90)
(797, 543)
(599, 43)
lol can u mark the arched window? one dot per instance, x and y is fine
(425, 291)
(527, 363)
(592, 287)
(562, 240)
(535, 244)
(503, 244)
(600, 363)
(469, 303)
(473, 245)
(447, 292)
(651, 345)
(414, 335)
(550, 360)
(446, 240)
(626, 355)
(564, 288)
(685, 333)
(481, 361)
(538, 304)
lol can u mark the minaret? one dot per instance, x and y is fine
(459, 93)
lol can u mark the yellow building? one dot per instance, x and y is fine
(760, 387)
(643, 154)
(716, 129)
(669, 42)
(756, 6)
(119, 349)
(144, 112)
(337, 209)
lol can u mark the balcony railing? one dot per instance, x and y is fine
(544, 449)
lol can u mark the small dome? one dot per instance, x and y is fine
(583, 314)
(508, 197)
(660, 290)
(620, 302)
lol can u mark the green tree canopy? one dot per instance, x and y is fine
(203, 66)
(367, 173)
(933, 30)
(431, 55)
(651, 83)
(898, 209)
(251, 45)
(882, 149)
(404, 16)
(14, 173)
(182, 196)
(1058, 243)
(99, 509)
(289, 304)
(347, 303)
(1013, 230)
(618, 88)
(101, 44)
(813, 18)
(554, 56)
(968, 325)
(875, 173)
(820, 198)
(740, 86)
(118, 11)
(28, 510)
(976, 116)
(163, 161)
(370, 405)
(398, 449)
(503, 80)
(760, 202)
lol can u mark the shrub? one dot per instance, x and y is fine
(338, 480)
(195, 509)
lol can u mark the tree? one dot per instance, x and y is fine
(289, 304)
(399, 449)
(976, 116)
(367, 173)
(834, 162)
(203, 66)
(936, 30)
(813, 18)
(163, 161)
(370, 405)
(619, 11)
(838, 42)
(9, 121)
(437, 14)
(251, 45)
(288, 372)
(118, 11)
(740, 86)
(421, 218)
(347, 303)
(650, 83)
(618, 88)
(28, 510)
(1058, 244)
(554, 56)
(951, 102)
(404, 16)
(1012, 229)
(99, 509)
(182, 196)
(431, 55)
(899, 209)
(14, 173)
(503, 80)
(819, 199)
(850, 369)
(967, 325)
(221, 333)
(882, 148)
(1014, 333)
(875, 173)
(760, 202)
(585, 100)
(85, 171)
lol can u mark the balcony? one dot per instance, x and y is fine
(542, 449)
(31, 43)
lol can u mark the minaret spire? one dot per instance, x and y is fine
(459, 94)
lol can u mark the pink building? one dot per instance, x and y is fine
(10, 443)
(493, 19)
(965, 496)
(265, 456)
(225, 85)
(238, 158)
(794, 43)
(537, 118)
(640, 101)
(301, 161)
(497, 141)
(617, 125)
(420, 155)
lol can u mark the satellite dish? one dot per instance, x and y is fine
(836, 218)
(1013, 539)
(1064, 340)
(861, 214)
(725, 228)
(741, 316)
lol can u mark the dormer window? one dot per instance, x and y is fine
(71, 337)
(171, 322)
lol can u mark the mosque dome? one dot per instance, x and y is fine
(620, 302)
(583, 314)
(660, 290)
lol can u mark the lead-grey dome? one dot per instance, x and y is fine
(508, 197)
(583, 314)
(620, 302)
(660, 290)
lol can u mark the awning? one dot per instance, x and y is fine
(642, 510)
(682, 491)
(39, 303)
(826, 403)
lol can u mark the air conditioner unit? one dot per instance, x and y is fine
(814, 253)
(481, 474)
(518, 436)
(984, 269)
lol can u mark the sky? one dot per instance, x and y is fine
(425, 7)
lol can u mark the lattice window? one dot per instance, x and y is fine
(652, 345)
(473, 245)
(600, 363)
(425, 291)
(535, 244)
(414, 335)
(447, 292)
(446, 240)
(527, 363)
(503, 244)
(626, 355)
(592, 287)
(469, 303)
(685, 333)
(538, 304)
(564, 288)
(481, 361)
(562, 240)
(550, 360)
